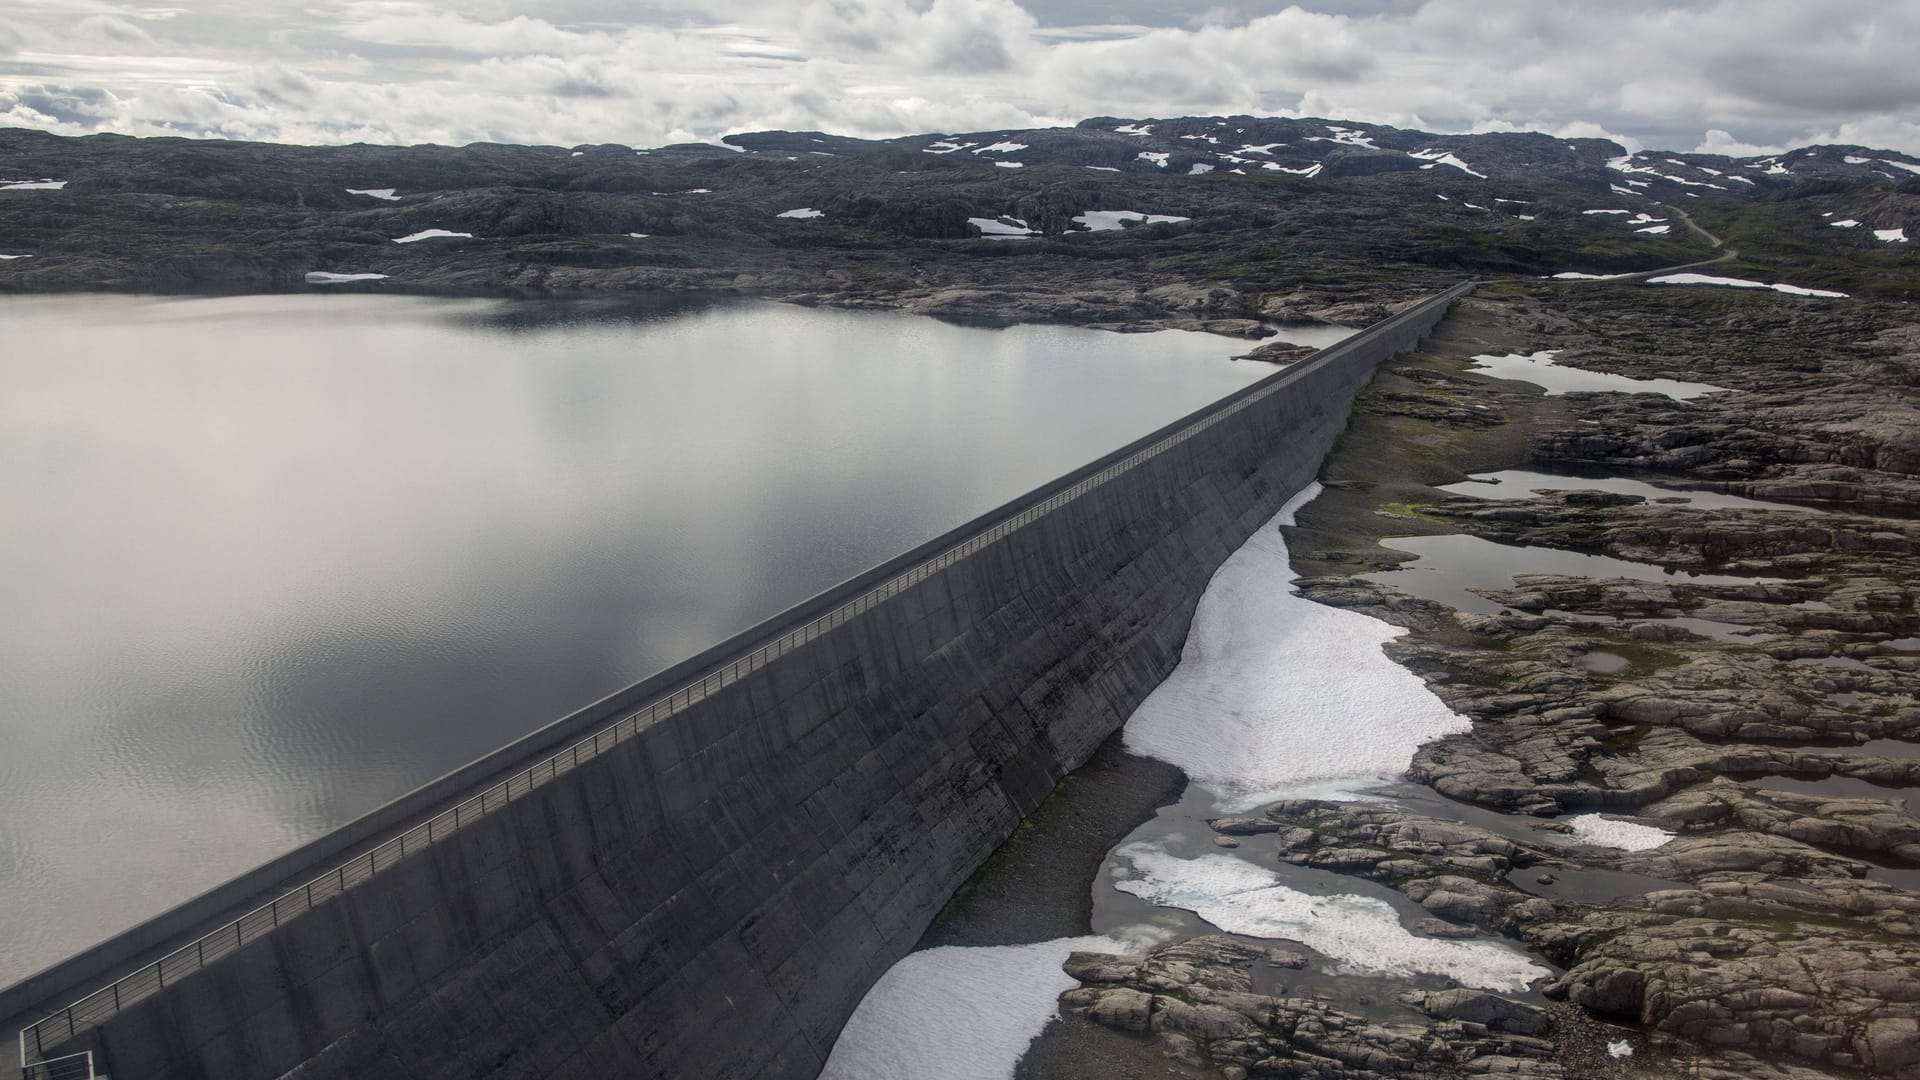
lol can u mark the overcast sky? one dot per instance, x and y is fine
(1738, 76)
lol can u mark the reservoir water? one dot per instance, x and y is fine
(268, 562)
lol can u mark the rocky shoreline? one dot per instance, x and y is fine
(1778, 932)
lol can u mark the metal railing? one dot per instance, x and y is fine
(65, 1067)
(64, 1024)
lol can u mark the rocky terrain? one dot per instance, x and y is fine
(1255, 219)
(1765, 713)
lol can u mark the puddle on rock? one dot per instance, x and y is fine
(1522, 484)
(1840, 787)
(1584, 885)
(1846, 662)
(1450, 563)
(1540, 370)
(1601, 662)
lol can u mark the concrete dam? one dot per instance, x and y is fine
(703, 874)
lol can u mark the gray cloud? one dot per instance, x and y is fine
(1663, 74)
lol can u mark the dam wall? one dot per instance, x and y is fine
(703, 874)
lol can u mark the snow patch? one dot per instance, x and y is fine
(1441, 157)
(325, 277)
(1852, 160)
(384, 194)
(1618, 190)
(431, 234)
(1623, 835)
(639, 235)
(1199, 168)
(1575, 275)
(1131, 129)
(1739, 283)
(1606, 211)
(1002, 228)
(945, 147)
(1620, 1048)
(1890, 236)
(1011, 164)
(32, 185)
(1274, 692)
(1656, 230)
(1361, 933)
(1109, 220)
(1847, 224)
(1345, 137)
(1103, 168)
(1308, 171)
(1907, 165)
(1002, 148)
(1263, 148)
(16, 256)
(954, 1011)
(1159, 159)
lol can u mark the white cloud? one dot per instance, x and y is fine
(1751, 73)
(1720, 142)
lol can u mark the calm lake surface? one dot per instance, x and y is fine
(268, 562)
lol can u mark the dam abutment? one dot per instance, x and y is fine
(711, 890)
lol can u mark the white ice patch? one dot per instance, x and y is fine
(324, 277)
(1130, 129)
(1776, 169)
(1002, 228)
(32, 185)
(1308, 171)
(1907, 165)
(1274, 692)
(1657, 230)
(1361, 933)
(1644, 218)
(1001, 148)
(1740, 283)
(1159, 159)
(1620, 1048)
(1890, 236)
(1199, 168)
(1346, 137)
(16, 256)
(1606, 211)
(385, 194)
(1011, 164)
(1847, 224)
(954, 1012)
(1103, 168)
(1108, 220)
(804, 213)
(1618, 190)
(431, 234)
(945, 147)
(1441, 157)
(1263, 148)
(1540, 370)
(1624, 835)
(1852, 160)
(639, 235)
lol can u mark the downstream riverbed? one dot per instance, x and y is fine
(275, 560)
